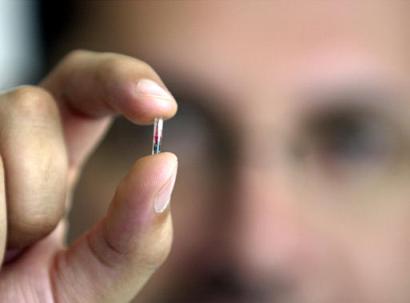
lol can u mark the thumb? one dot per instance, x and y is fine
(114, 260)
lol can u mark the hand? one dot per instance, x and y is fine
(46, 133)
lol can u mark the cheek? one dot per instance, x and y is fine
(388, 251)
(380, 255)
(376, 251)
(361, 240)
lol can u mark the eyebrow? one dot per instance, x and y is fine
(195, 97)
(384, 102)
(363, 91)
(361, 96)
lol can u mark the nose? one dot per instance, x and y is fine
(268, 236)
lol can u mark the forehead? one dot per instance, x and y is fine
(255, 50)
(260, 32)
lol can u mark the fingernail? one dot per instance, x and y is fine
(163, 197)
(149, 87)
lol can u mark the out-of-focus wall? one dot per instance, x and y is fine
(20, 51)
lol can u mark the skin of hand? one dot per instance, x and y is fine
(46, 134)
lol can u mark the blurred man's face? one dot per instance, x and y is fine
(293, 138)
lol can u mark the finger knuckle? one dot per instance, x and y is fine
(47, 167)
(111, 64)
(76, 55)
(32, 101)
(41, 221)
(146, 68)
(35, 212)
(115, 64)
(25, 229)
(109, 59)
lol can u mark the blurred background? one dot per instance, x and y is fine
(22, 48)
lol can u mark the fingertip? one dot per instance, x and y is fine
(147, 100)
(153, 169)
(146, 178)
(167, 158)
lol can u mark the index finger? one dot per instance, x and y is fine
(92, 87)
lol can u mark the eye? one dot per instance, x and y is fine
(350, 139)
